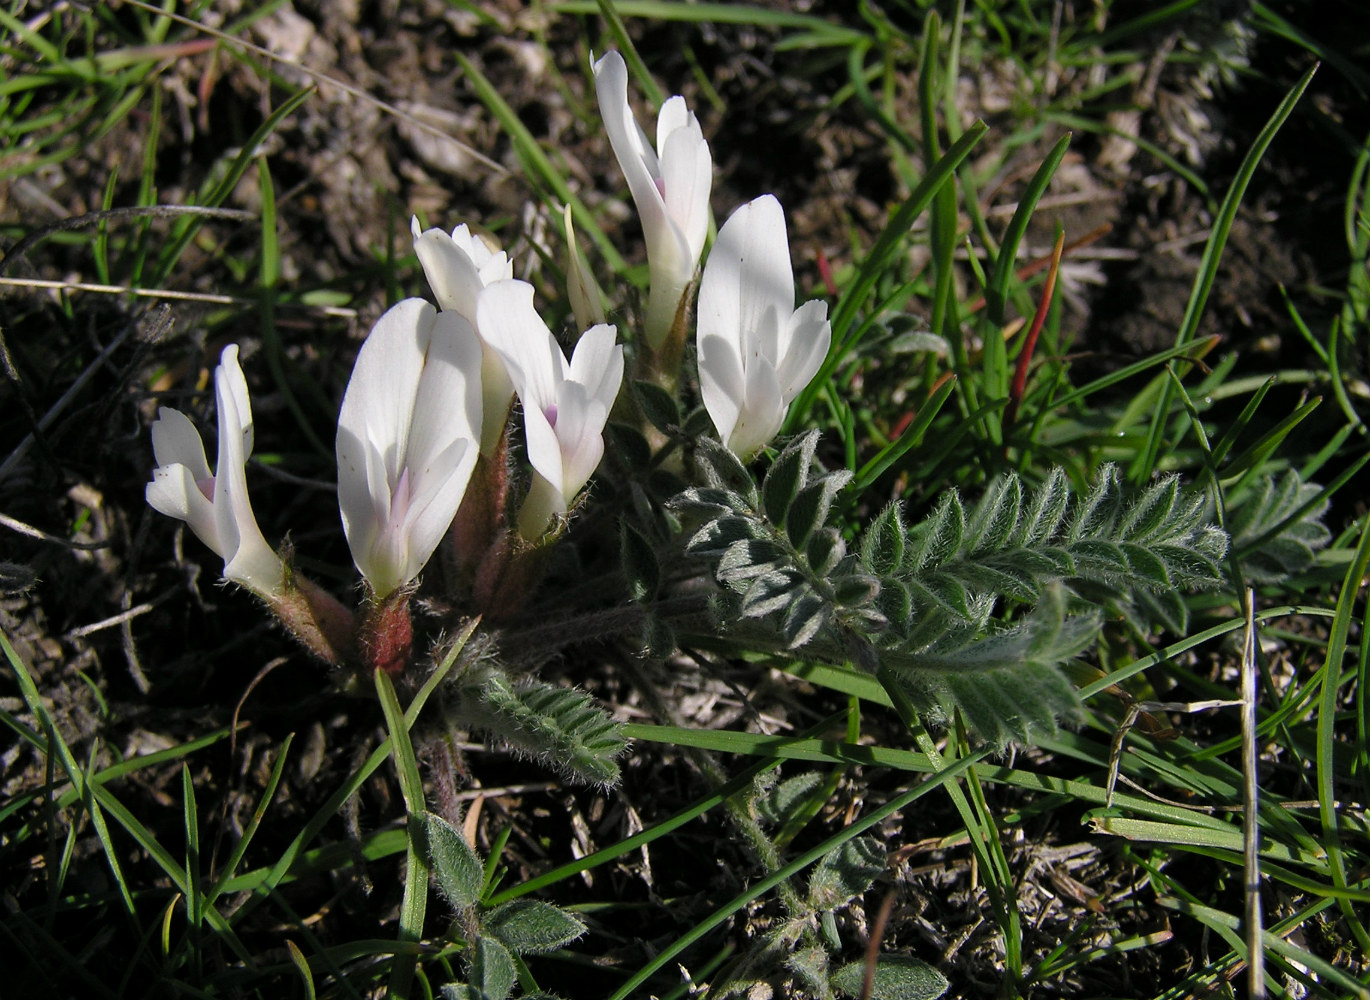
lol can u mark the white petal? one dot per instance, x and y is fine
(597, 363)
(636, 156)
(508, 322)
(235, 384)
(580, 426)
(686, 177)
(447, 403)
(175, 491)
(805, 348)
(248, 559)
(762, 413)
(722, 383)
(431, 510)
(451, 273)
(175, 441)
(544, 446)
(441, 450)
(374, 424)
(757, 242)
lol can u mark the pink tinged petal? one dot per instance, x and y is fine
(806, 347)
(373, 429)
(175, 441)
(175, 492)
(579, 429)
(406, 439)
(544, 446)
(215, 505)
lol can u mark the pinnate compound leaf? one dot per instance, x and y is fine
(845, 872)
(825, 549)
(747, 559)
(723, 470)
(458, 869)
(769, 592)
(938, 538)
(563, 728)
(805, 617)
(1043, 516)
(780, 803)
(1152, 512)
(708, 501)
(1097, 512)
(714, 538)
(630, 446)
(658, 406)
(1265, 508)
(897, 977)
(882, 543)
(492, 970)
(788, 475)
(809, 966)
(530, 927)
(810, 509)
(640, 566)
(1146, 566)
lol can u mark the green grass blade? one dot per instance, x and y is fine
(414, 905)
(254, 821)
(874, 264)
(783, 874)
(183, 232)
(815, 29)
(1326, 727)
(911, 438)
(1144, 466)
(536, 164)
(1217, 919)
(80, 786)
(741, 782)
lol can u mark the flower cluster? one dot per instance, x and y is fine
(423, 427)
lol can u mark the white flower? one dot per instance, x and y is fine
(407, 439)
(756, 351)
(215, 504)
(670, 186)
(457, 267)
(565, 404)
